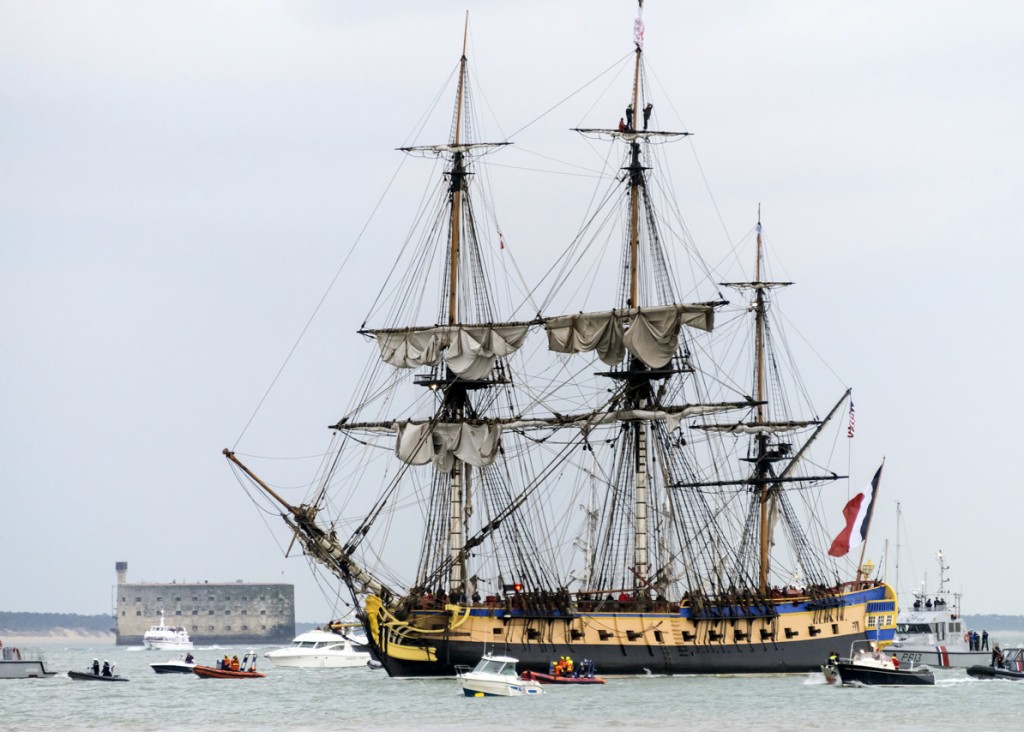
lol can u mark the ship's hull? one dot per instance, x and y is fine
(795, 638)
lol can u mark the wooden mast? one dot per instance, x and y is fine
(762, 439)
(456, 526)
(456, 186)
(636, 182)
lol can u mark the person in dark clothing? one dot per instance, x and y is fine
(647, 113)
(107, 669)
(984, 640)
(629, 117)
(95, 667)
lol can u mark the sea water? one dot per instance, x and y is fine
(365, 699)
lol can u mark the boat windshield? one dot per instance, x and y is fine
(913, 628)
(493, 666)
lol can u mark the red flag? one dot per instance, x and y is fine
(858, 517)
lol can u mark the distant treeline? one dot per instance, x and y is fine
(45, 622)
(995, 622)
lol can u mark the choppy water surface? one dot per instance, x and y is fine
(344, 699)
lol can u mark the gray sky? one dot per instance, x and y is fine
(180, 182)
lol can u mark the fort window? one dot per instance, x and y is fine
(263, 612)
(177, 599)
(245, 612)
(227, 627)
(138, 612)
(195, 599)
(159, 599)
(245, 627)
(138, 599)
(177, 612)
(195, 612)
(227, 612)
(211, 612)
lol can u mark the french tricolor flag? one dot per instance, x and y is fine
(858, 517)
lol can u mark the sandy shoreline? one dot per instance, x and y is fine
(59, 637)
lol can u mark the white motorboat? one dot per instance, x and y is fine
(322, 649)
(872, 667)
(179, 665)
(166, 637)
(496, 676)
(932, 631)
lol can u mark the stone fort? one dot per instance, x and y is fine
(212, 612)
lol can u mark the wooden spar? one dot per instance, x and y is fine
(457, 178)
(875, 482)
(267, 489)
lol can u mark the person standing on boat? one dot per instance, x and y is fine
(189, 658)
(107, 669)
(997, 657)
(95, 667)
(984, 640)
(234, 663)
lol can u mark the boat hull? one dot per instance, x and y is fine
(209, 672)
(988, 672)
(564, 680)
(317, 660)
(172, 667)
(854, 674)
(83, 676)
(626, 644)
(29, 669)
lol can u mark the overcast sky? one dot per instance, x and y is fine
(180, 182)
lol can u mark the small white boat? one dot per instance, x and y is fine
(166, 638)
(322, 649)
(496, 676)
(179, 665)
(16, 664)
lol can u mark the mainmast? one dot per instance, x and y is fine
(763, 466)
(636, 184)
(455, 395)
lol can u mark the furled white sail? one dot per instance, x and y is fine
(650, 334)
(469, 350)
(419, 443)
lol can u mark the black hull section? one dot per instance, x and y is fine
(622, 660)
(987, 672)
(80, 676)
(870, 676)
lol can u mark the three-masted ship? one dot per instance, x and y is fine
(624, 502)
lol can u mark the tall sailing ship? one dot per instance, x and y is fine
(619, 495)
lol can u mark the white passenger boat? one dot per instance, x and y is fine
(932, 631)
(496, 676)
(166, 637)
(323, 649)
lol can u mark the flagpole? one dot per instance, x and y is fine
(877, 481)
